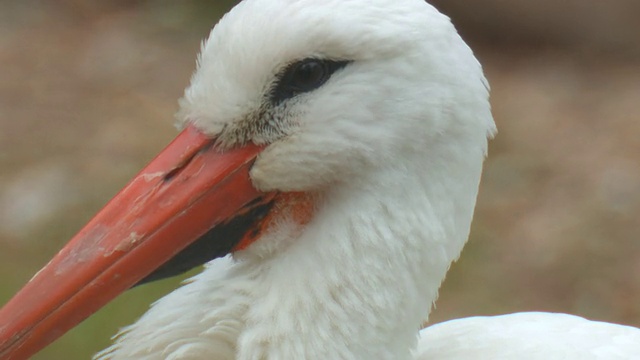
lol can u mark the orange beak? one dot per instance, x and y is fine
(186, 191)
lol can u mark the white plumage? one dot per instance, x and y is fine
(529, 336)
(391, 147)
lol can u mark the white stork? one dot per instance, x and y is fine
(333, 148)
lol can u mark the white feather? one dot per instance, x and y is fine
(528, 336)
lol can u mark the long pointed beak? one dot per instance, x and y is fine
(189, 188)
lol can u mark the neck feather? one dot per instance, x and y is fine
(359, 281)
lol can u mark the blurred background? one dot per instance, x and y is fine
(88, 91)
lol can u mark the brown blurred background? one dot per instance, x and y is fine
(88, 91)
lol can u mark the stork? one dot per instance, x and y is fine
(329, 160)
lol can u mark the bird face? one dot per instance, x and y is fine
(333, 89)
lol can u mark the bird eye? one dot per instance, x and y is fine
(309, 75)
(304, 76)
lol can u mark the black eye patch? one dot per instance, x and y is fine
(303, 76)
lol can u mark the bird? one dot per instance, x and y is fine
(326, 172)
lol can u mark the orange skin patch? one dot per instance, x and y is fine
(300, 206)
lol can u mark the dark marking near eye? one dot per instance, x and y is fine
(303, 76)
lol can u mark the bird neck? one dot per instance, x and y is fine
(359, 281)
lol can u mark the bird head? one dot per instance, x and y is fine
(292, 102)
